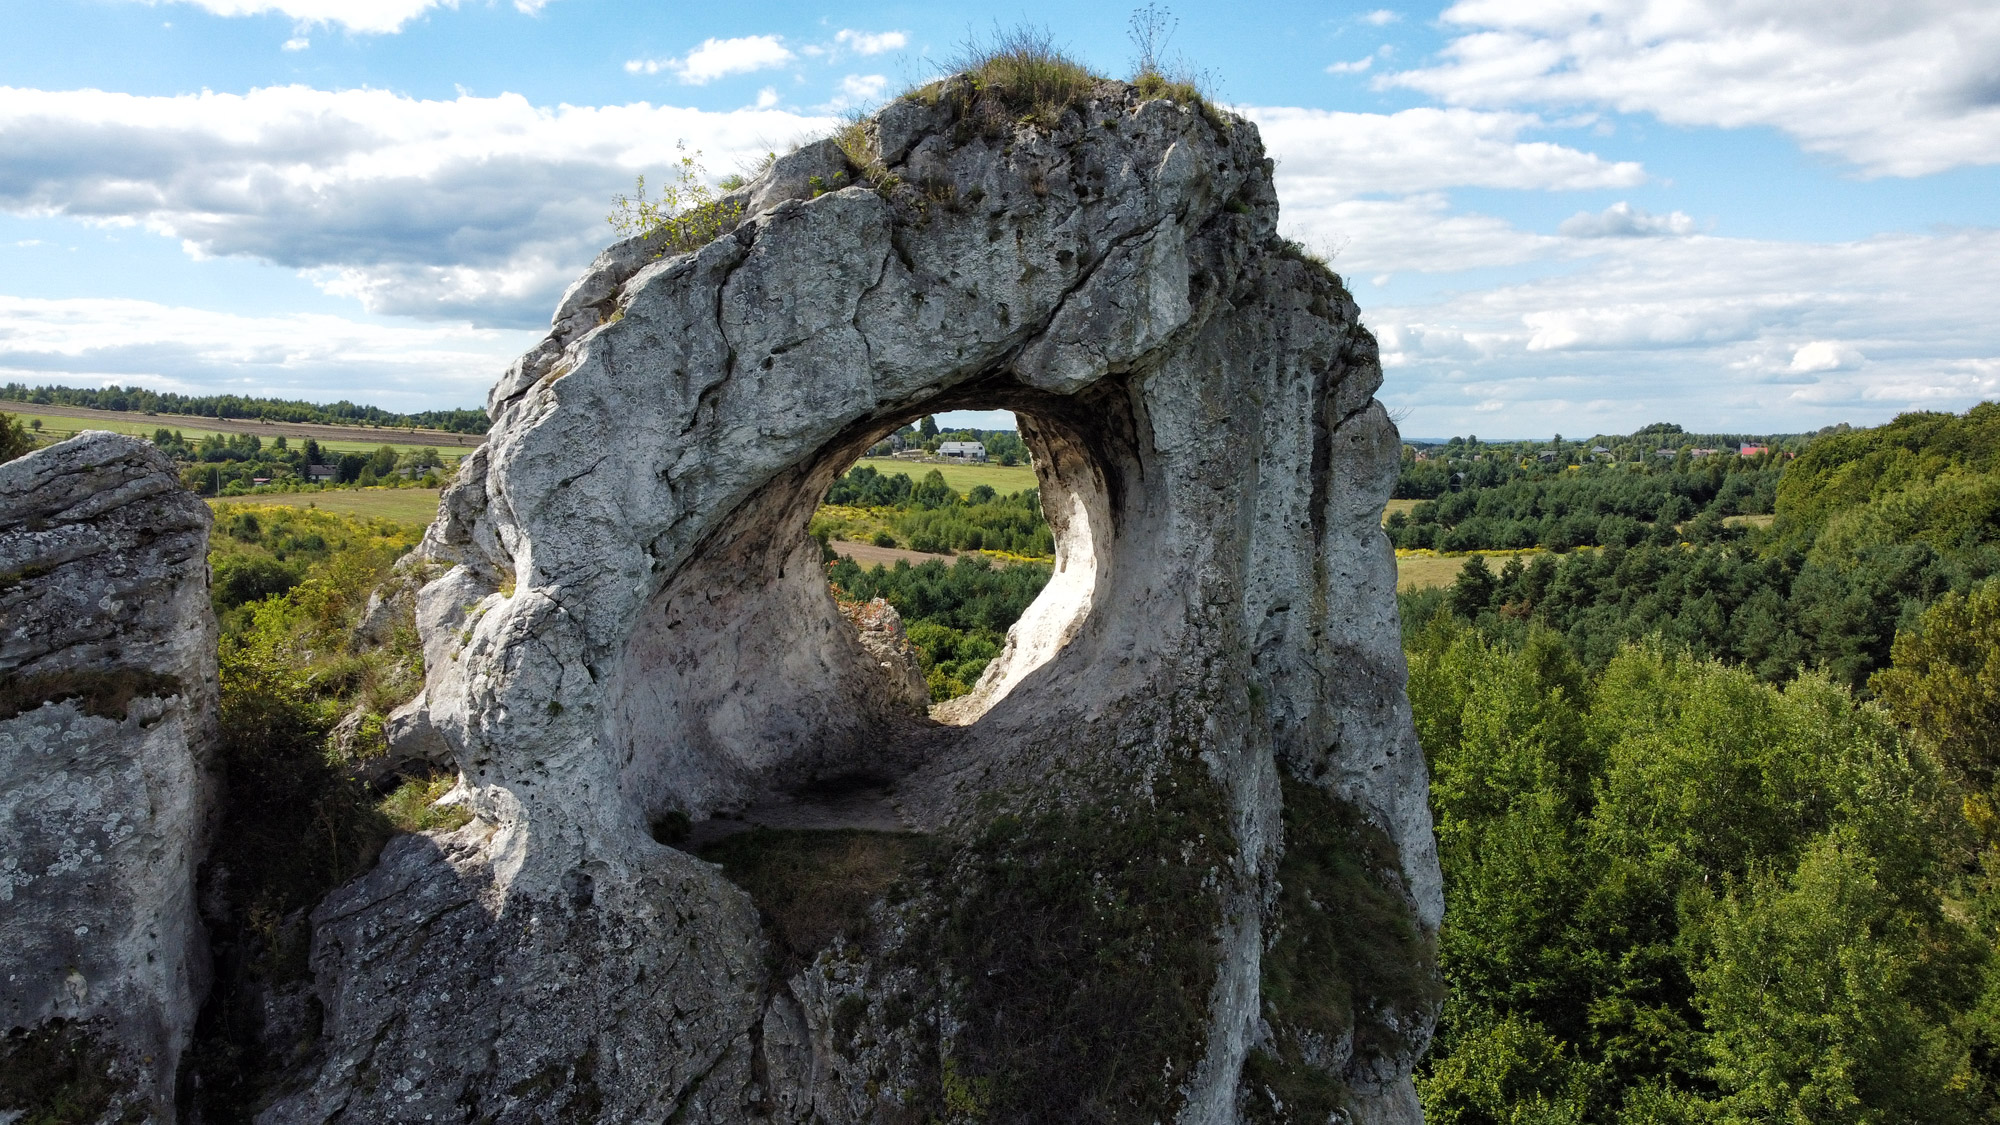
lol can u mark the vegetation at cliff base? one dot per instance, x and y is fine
(929, 515)
(301, 720)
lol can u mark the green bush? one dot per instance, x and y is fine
(15, 440)
(686, 216)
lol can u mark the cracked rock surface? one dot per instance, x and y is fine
(629, 625)
(107, 715)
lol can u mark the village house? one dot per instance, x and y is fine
(962, 450)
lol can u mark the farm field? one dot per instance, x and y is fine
(964, 478)
(59, 422)
(411, 507)
(1421, 572)
(1394, 506)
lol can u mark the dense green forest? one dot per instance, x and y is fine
(1716, 818)
(138, 400)
(1506, 504)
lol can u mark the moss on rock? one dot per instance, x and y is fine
(1081, 944)
(1348, 974)
(59, 1073)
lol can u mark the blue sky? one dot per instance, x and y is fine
(1557, 215)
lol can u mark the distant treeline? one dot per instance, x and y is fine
(1642, 445)
(138, 400)
(929, 515)
(1003, 447)
(1871, 527)
(1491, 505)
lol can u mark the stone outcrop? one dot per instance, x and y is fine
(880, 629)
(107, 716)
(1175, 859)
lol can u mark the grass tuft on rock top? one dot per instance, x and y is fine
(1081, 944)
(1344, 955)
(1024, 70)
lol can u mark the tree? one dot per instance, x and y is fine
(14, 440)
(928, 428)
(1474, 589)
(933, 492)
(1943, 682)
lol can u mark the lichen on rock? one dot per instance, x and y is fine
(628, 626)
(107, 725)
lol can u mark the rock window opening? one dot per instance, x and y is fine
(935, 544)
(795, 682)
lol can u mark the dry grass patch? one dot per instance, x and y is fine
(813, 886)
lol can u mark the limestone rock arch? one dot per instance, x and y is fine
(623, 617)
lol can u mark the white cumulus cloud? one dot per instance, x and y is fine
(858, 90)
(871, 42)
(719, 58)
(311, 356)
(1901, 89)
(473, 208)
(1707, 331)
(1823, 355)
(1622, 220)
(1328, 154)
(372, 16)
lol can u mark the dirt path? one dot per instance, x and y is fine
(868, 554)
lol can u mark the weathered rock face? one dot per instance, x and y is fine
(107, 714)
(1177, 861)
(880, 629)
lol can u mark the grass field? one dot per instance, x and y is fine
(1394, 506)
(1421, 572)
(1749, 521)
(57, 427)
(411, 507)
(1000, 478)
